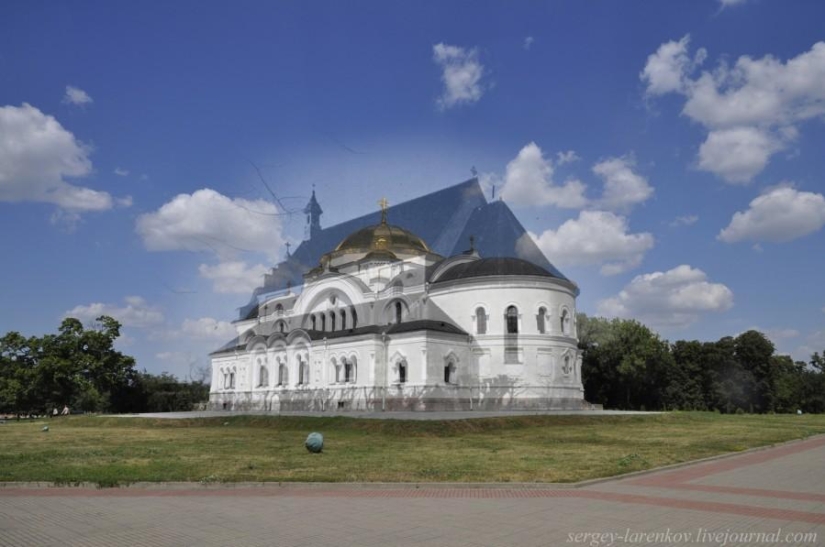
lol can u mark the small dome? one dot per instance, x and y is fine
(382, 237)
(493, 266)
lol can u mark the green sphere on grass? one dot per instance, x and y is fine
(315, 443)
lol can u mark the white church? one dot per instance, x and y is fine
(382, 321)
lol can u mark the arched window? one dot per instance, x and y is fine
(566, 368)
(312, 320)
(279, 309)
(481, 321)
(512, 320)
(402, 372)
(281, 326)
(449, 373)
(332, 321)
(335, 371)
(226, 380)
(540, 320)
(323, 322)
(354, 318)
(343, 319)
(565, 322)
(283, 375)
(231, 380)
(303, 372)
(398, 311)
(349, 371)
(263, 375)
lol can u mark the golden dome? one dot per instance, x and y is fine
(382, 237)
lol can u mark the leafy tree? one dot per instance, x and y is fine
(754, 353)
(625, 365)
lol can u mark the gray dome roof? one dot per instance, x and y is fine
(485, 267)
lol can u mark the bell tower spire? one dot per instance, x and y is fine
(313, 212)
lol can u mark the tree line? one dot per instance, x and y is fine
(79, 367)
(627, 366)
(624, 366)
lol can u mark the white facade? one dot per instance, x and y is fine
(384, 323)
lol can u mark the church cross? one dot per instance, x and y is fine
(383, 203)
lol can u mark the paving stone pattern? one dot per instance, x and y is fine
(778, 492)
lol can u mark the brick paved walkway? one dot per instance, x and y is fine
(778, 493)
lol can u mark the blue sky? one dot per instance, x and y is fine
(667, 156)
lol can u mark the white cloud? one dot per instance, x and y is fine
(76, 96)
(737, 154)
(209, 221)
(37, 155)
(461, 74)
(622, 187)
(782, 214)
(136, 313)
(675, 298)
(685, 220)
(751, 108)
(121, 172)
(528, 42)
(665, 70)
(566, 157)
(234, 277)
(528, 181)
(595, 237)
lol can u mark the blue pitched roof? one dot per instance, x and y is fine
(498, 233)
(445, 220)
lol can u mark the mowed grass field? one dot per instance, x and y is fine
(116, 451)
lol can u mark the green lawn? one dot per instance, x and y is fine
(111, 451)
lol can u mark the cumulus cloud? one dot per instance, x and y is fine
(76, 96)
(737, 154)
(209, 221)
(665, 70)
(595, 237)
(675, 298)
(37, 155)
(781, 214)
(135, 313)
(751, 109)
(233, 277)
(121, 172)
(622, 187)
(731, 3)
(461, 74)
(528, 180)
